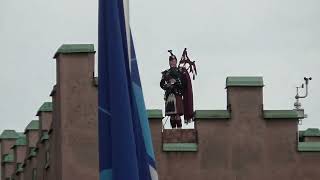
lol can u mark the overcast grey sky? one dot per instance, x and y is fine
(276, 39)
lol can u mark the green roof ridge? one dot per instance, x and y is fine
(212, 114)
(7, 158)
(9, 134)
(249, 81)
(75, 48)
(311, 132)
(180, 147)
(154, 113)
(280, 114)
(33, 125)
(45, 107)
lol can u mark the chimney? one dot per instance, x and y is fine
(75, 117)
(45, 118)
(7, 139)
(32, 134)
(19, 151)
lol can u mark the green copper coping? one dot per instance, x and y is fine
(45, 107)
(154, 113)
(45, 136)
(75, 48)
(21, 141)
(9, 134)
(309, 146)
(7, 158)
(19, 168)
(24, 163)
(253, 81)
(33, 125)
(280, 114)
(311, 132)
(32, 152)
(212, 114)
(180, 147)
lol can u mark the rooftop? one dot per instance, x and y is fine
(75, 48)
(45, 107)
(9, 134)
(311, 132)
(33, 125)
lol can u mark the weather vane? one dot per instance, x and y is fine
(297, 104)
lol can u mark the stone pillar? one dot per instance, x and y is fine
(75, 126)
(247, 126)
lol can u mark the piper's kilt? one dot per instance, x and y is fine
(174, 105)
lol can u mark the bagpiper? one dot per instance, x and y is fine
(176, 83)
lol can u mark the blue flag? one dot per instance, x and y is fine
(125, 144)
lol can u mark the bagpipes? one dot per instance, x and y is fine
(186, 60)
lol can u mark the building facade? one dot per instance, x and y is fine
(242, 142)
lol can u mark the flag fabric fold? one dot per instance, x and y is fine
(125, 145)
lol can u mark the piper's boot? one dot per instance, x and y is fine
(178, 122)
(173, 122)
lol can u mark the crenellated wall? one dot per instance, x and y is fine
(242, 142)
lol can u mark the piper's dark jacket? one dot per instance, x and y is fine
(178, 87)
